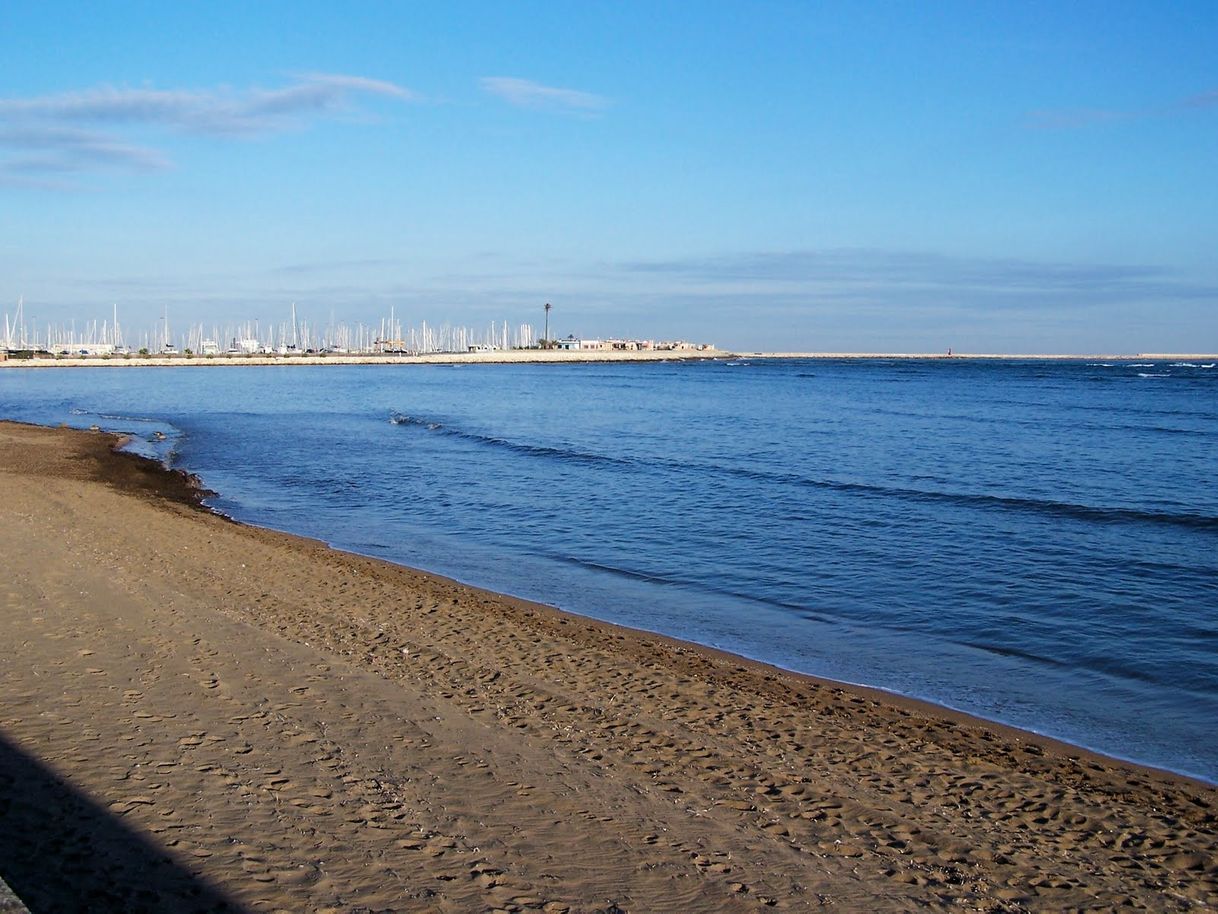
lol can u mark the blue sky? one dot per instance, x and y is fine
(831, 176)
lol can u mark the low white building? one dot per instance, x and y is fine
(571, 343)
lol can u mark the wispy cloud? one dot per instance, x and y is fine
(44, 148)
(327, 266)
(525, 93)
(830, 299)
(1076, 118)
(918, 278)
(1073, 119)
(49, 135)
(1202, 100)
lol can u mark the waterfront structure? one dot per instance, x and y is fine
(572, 342)
(105, 339)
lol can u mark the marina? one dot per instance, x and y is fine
(107, 340)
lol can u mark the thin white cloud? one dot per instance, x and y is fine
(524, 93)
(1075, 118)
(217, 111)
(923, 278)
(66, 149)
(1203, 100)
(1072, 119)
(51, 125)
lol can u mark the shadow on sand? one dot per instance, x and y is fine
(60, 851)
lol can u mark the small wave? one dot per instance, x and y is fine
(531, 450)
(1154, 374)
(693, 583)
(114, 417)
(622, 572)
(1005, 502)
(1210, 365)
(399, 419)
(1184, 365)
(1099, 365)
(1108, 667)
(111, 418)
(983, 501)
(1000, 650)
(1142, 365)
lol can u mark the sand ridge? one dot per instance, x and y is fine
(296, 728)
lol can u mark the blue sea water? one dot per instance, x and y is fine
(1032, 542)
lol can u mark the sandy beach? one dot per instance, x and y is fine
(197, 715)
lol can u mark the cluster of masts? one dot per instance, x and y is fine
(102, 338)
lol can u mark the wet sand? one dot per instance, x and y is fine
(200, 715)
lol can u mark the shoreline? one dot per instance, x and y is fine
(182, 486)
(1055, 746)
(521, 357)
(195, 496)
(798, 780)
(194, 493)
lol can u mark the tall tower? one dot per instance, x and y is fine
(545, 340)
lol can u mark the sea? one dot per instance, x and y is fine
(1033, 542)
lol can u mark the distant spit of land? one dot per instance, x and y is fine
(998, 356)
(552, 355)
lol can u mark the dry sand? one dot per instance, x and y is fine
(196, 715)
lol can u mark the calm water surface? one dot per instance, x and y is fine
(1033, 542)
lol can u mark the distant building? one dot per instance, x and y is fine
(85, 349)
(575, 343)
(571, 343)
(245, 346)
